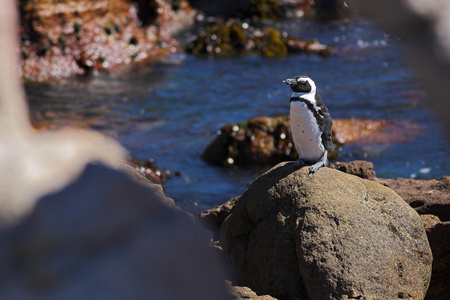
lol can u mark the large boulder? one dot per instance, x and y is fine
(327, 235)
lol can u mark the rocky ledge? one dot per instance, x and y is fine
(333, 234)
(265, 140)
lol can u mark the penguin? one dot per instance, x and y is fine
(310, 124)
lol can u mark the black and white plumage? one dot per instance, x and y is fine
(310, 124)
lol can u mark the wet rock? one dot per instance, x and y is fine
(438, 233)
(66, 37)
(238, 38)
(150, 171)
(327, 236)
(265, 140)
(425, 196)
(107, 236)
(260, 140)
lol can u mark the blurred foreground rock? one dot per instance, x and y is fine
(34, 164)
(108, 236)
(326, 236)
(266, 140)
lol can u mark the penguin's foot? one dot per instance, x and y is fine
(316, 166)
(299, 163)
(322, 162)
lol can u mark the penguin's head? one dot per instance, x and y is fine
(301, 84)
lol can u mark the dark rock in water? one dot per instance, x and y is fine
(326, 236)
(237, 38)
(425, 196)
(438, 235)
(151, 171)
(108, 236)
(265, 140)
(260, 140)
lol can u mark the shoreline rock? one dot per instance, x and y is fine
(68, 37)
(326, 236)
(436, 192)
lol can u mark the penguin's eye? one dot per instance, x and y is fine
(302, 81)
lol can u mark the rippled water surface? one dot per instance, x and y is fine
(169, 110)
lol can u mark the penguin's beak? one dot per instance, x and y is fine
(290, 81)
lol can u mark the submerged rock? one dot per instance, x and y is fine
(66, 37)
(326, 236)
(265, 140)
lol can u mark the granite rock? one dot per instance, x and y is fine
(326, 236)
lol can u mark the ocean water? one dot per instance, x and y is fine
(169, 109)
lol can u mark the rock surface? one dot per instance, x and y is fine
(326, 236)
(425, 196)
(242, 292)
(360, 168)
(108, 236)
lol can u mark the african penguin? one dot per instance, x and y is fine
(310, 124)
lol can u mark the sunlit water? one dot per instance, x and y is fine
(170, 109)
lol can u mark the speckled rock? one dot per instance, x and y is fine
(326, 236)
(66, 37)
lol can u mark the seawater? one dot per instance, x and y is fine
(169, 109)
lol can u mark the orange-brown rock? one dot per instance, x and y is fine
(374, 131)
(66, 37)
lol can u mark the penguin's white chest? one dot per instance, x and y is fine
(305, 132)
